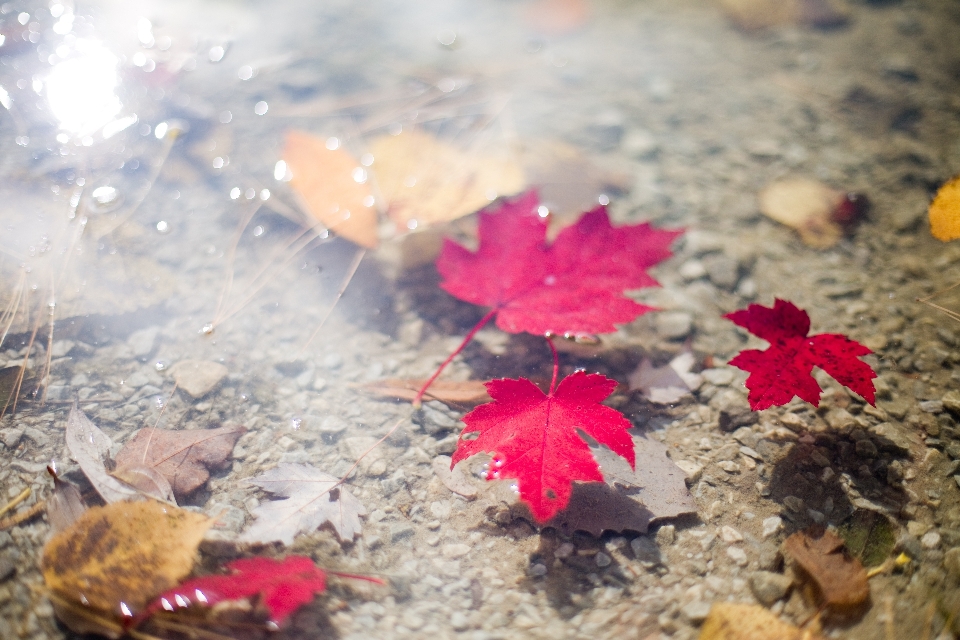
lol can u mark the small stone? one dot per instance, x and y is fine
(11, 436)
(377, 468)
(459, 621)
(411, 620)
(692, 270)
(839, 418)
(866, 449)
(602, 560)
(565, 550)
(8, 566)
(816, 516)
(768, 587)
(930, 540)
(645, 550)
(819, 459)
(691, 469)
(730, 535)
(198, 377)
(696, 612)
(142, 342)
(666, 535)
(894, 437)
(729, 466)
(538, 570)
(794, 503)
(674, 325)
(455, 550)
(718, 377)
(400, 531)
(951, 562)
(734, 410)
(738, 555)
(917, 529)
(931, 406)
(723, 271)
(772, 525)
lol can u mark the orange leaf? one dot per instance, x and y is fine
(840, 579)
(425, 180)
(945, 212)
(326, 181)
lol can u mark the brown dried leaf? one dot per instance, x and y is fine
(733, 621)
(840, 580)
(450, 392)
(89, 447)
(182, 457)
(64, 506)
(807, 206)
(328, 186)
(425, 180)
(115, 559)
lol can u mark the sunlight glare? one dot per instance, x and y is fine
(80, 90)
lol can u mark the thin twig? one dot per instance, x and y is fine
(29, 514)
(13, 503)
(354, 265)
(483, 321)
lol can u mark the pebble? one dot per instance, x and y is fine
(772, 525)
(11, 436)
(794, 503)
(459, 621)
(930, 540)
(142, 342)
(674, 325)
(602, 560)
(198, 377)
(691, 469)
(400, 531)
(692, 270)
(456, 480)
(666, 535)
(455, 550)
(895, 437)
(565, 550)
(738, 555)
(718, 377)
(730, 535)
(931, 406)
(729, 466)
(8, 566)
(734, 410)
(696, 612)
(951, 561)
(645, 550)
(722, 270)
(768, 587)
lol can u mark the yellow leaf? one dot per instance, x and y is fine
(333, 186)
(731, 621)
(945, 211)
(425, 180)
(114, 559)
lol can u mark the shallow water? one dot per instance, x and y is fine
(145, 222)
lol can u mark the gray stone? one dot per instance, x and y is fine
(723, 271)
(718, 377)
(400, 531)
(895, 437)
(666, 535)
(8, 566)
(58, 393)
(435, 420)
(645, 550)
(866, 449)
(951, 562)
(932, 406)
(674, 325)
(734, 410)
(11, 437)
(768, 587)
(696, 612)
(198, 377)
(142, 342)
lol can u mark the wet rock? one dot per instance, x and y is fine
(696, 612)
(734, 410)
(198, 377)
(718, 377)
(674, 325)
(692, 270)
(456, 479)
(896, 437)
(951, 402)
(434, 419)
(931, 406)
(455, 550)
(730, 535)
(142, 342)
(645, 550)
(738, 555)
(839, 418)
(10, 437)
(951, 562)
(722, 270)
(768, 587)
(666, 535)
(866, 449)
(930, 540)
(772, 525)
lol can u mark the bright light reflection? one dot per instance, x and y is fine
(80, 90)
(5, 98)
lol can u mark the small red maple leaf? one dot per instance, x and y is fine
(533, 436)
(283, 586)
(783, 371)
(574, 285)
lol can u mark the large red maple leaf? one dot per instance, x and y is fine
(533, 436)
(283, 586)
(573, 285)
(783, 371)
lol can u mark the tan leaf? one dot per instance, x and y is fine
(425, 180)
(450, 392)
(840, 580)
(90, 446)
(327, 182)
(733, 621)
(64, 506)
(183, 458)
(807, 206)
(147, 481)
(114, 559)
(945, 211)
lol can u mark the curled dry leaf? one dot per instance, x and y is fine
(312, 498)
(147, 481)
(198, 377)
(945, 211)
(807, 206)
(667, 384)
(89, 446)
(425, 180)
(114, 559)
(333, 187)
(64, 506)
(840, 581)
(733, 621)
(467, 392)
(182, 458)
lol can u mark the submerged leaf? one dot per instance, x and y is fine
(667, 384)
(114, 559)
(840, 580)
(333, 186)
(64, 506)
(449, 392)
(89, 446)
(945, 211)
(807, 206)
(312, 498)
(870, 536)
(733, 621)
(183, 458)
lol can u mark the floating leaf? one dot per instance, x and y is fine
(333, 186)
(90, 446)
(312, 498)
(945, 211)
(114, 559)
(425, 180)
(183, 458)
(450, 392)
(732, 621)
(840, 580)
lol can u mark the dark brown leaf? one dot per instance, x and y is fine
(64, 506)
(468, 392)
(840, 580)
(182, 457)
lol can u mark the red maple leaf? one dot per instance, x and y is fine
(783, 370)
(574, 285)
(283, 586)
(533, 436)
